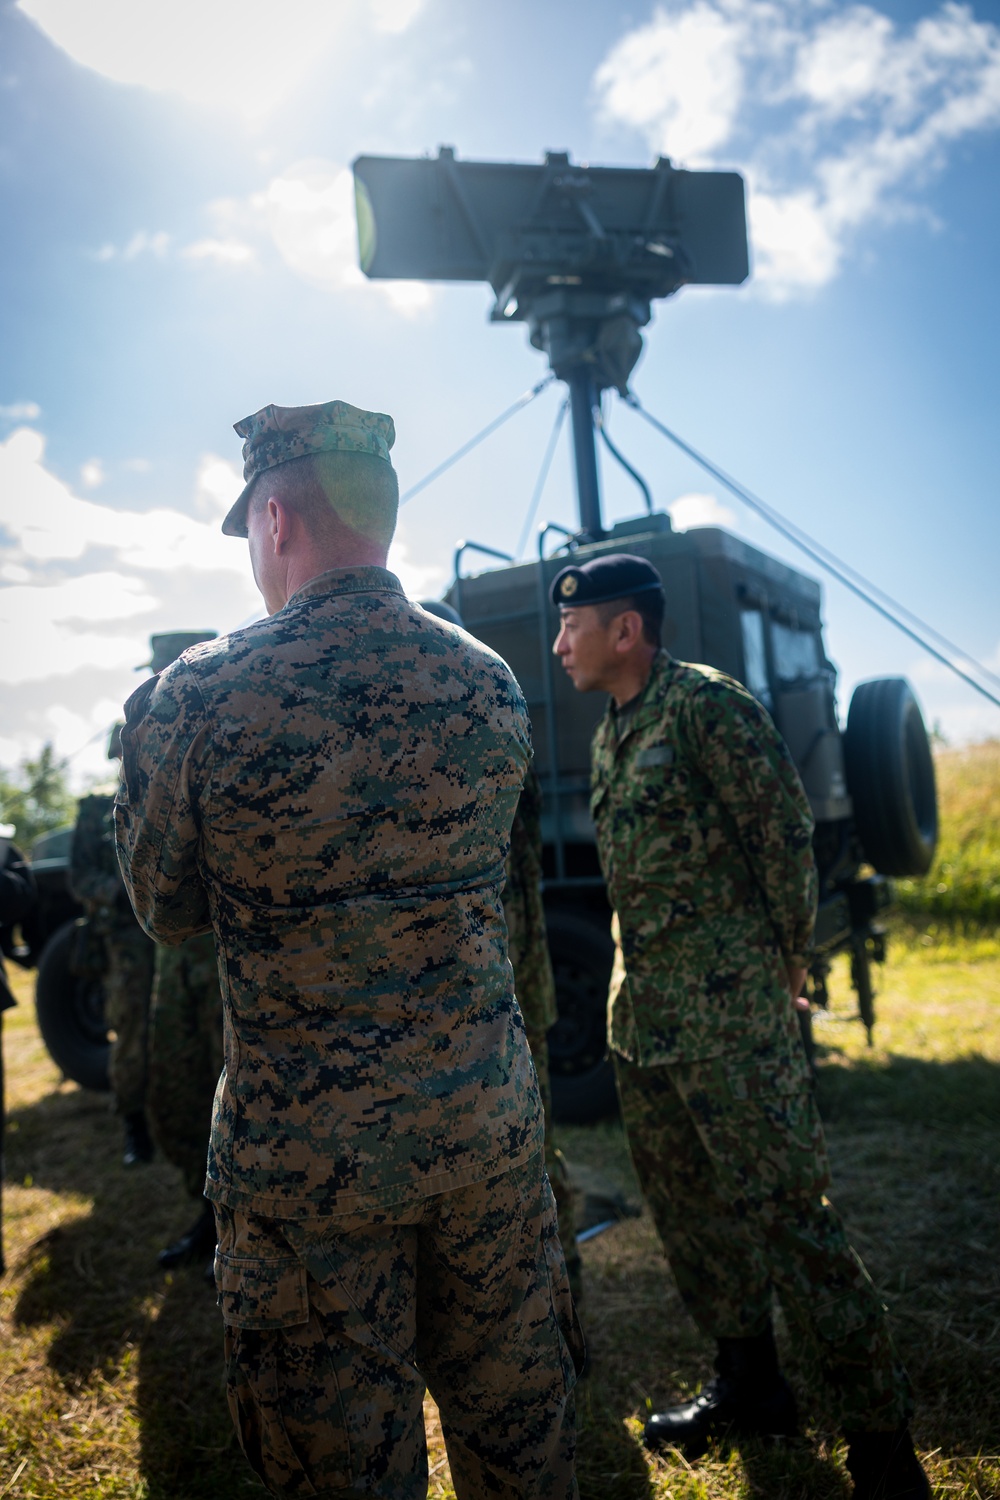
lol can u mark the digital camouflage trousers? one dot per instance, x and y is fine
(335, 1328)
(734, 1168)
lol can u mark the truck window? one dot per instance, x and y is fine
(755, 656)
(796, 652)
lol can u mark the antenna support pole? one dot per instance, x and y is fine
(583, 398)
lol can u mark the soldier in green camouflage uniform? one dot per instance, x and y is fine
(96, 882)
(534, 984)
(185, 1060)
(184, 1054)
(331, 790)
(704, 836)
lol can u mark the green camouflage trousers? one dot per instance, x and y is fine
(734, 1170)
(335, 1327)
(555, 1162)
(127, 984)
(185, 1054)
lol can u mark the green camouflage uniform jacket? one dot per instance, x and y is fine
(524, 911)
(332, 789)
(94, 876)
(704, 835)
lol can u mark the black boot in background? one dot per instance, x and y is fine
(884, 1466)
(138, 1141)
(196, 1243)
(749, 1397)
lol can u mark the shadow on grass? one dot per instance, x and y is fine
(188, 1444)
(963, 1091)
(115, 1316)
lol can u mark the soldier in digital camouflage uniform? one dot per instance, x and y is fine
(332, 789)
(96, 882)
(704, 836)
(534, 982)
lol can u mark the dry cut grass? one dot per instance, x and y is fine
(110, 1380)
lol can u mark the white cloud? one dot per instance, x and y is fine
(60, 627)
(309, 212)
(700, 510)
(75, 570)
(419, 580)
(835, 114)
(239, 55)
(217, 486)
(21, 411)
(223, 252)
(49, 523)
(696, 55)
(92, 473)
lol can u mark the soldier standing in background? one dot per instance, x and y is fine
(185, 1041)
(96, 882)
(534, 985)
(332, 790)
(17, 895)
(705, 840)
(185, 1060)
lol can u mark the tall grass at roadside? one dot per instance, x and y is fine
(960, 896)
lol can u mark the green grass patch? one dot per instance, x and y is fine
(110, 1372)
(962, 890)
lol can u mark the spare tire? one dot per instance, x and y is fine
(890, 776)
(580, 1071)
(69, 1002)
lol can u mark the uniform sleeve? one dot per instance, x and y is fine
(741, 752)
(166, 748)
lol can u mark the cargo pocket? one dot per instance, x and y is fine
(281, 1381)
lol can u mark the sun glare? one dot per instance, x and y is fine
(227, 54)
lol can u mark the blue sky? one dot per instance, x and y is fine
(178, 250)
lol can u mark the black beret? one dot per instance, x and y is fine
(617, 575)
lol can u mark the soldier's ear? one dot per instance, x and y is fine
(628, 629)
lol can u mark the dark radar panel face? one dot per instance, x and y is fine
(592, 228)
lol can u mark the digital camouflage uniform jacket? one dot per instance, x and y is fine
(704, 835)
(332, 789)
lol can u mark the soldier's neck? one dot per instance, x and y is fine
(632, 675)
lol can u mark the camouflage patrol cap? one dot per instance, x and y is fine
(277, 434)
(168, 646)
(617, 575)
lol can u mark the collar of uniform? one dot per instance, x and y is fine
(349, 581)
(648, 704)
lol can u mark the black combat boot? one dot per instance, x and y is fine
(138, 1141)
(884, 1466)
(749, 1397)
(194, 1244)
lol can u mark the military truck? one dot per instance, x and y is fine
(69, 989)
(579, 254)
(65, 943)
(871, 787)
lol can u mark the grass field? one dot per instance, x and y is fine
(110, 1379)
